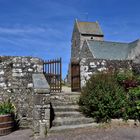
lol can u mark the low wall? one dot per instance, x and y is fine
(16, 83)
(91, 66)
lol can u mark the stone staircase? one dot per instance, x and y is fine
(66, 112)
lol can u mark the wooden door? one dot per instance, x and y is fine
(75, 76)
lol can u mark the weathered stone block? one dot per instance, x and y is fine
(41, 99)
(30, 70)
(30, 85)
(36, 126)
(37, 113)
(1, 72)
(47, 114)
(2, 85)
(17, 70)
(43, 129)
(18, 74)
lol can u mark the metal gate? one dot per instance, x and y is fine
(53, 72)
(75, 76)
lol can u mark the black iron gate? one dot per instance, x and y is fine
(53, 72)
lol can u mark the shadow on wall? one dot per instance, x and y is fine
(52, 115)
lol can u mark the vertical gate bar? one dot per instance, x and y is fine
(71, 76)
(60, 74)
(51, 74)
(48, 67)
(55, 73)
(43, 66)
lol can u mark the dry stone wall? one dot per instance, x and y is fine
(16, 83)
(92, 66)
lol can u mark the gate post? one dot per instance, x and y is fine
(41, 110)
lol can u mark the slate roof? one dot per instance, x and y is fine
(109, 50)
(90, 28)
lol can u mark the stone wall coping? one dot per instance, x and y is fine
(40, 84)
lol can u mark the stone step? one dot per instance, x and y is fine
(66, 93)
(66, 108)
(71, 121)
(59, 103)
(70, 127)
(70, 114)
(64, 96)
(64, 99)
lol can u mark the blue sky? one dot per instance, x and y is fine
(43, 28)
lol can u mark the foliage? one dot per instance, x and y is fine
(127, 84)
(123, 75)
(6, 107)
(127, 79)
(134, 103)
(103, 98)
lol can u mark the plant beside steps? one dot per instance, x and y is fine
(67, 115)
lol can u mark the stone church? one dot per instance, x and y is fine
(91, 53)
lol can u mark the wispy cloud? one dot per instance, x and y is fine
(22, 30)
(26, 31)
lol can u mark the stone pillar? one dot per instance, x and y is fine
(41, 110)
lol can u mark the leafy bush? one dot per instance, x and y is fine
(123, 75)
(6, 107)
(103, 98)
(127, 79)
(133, 109)
(127, 84)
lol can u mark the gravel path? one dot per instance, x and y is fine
(18, 135)
(116, 133)
(99, 134)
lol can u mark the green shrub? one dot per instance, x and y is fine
(133, 109)
(6, 107)
(103, 98)
(124, 75)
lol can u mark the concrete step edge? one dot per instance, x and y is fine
(73, 119)
(64, 102)
(66, 93)
(66, 106)
(69, 127)
(68, 112)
